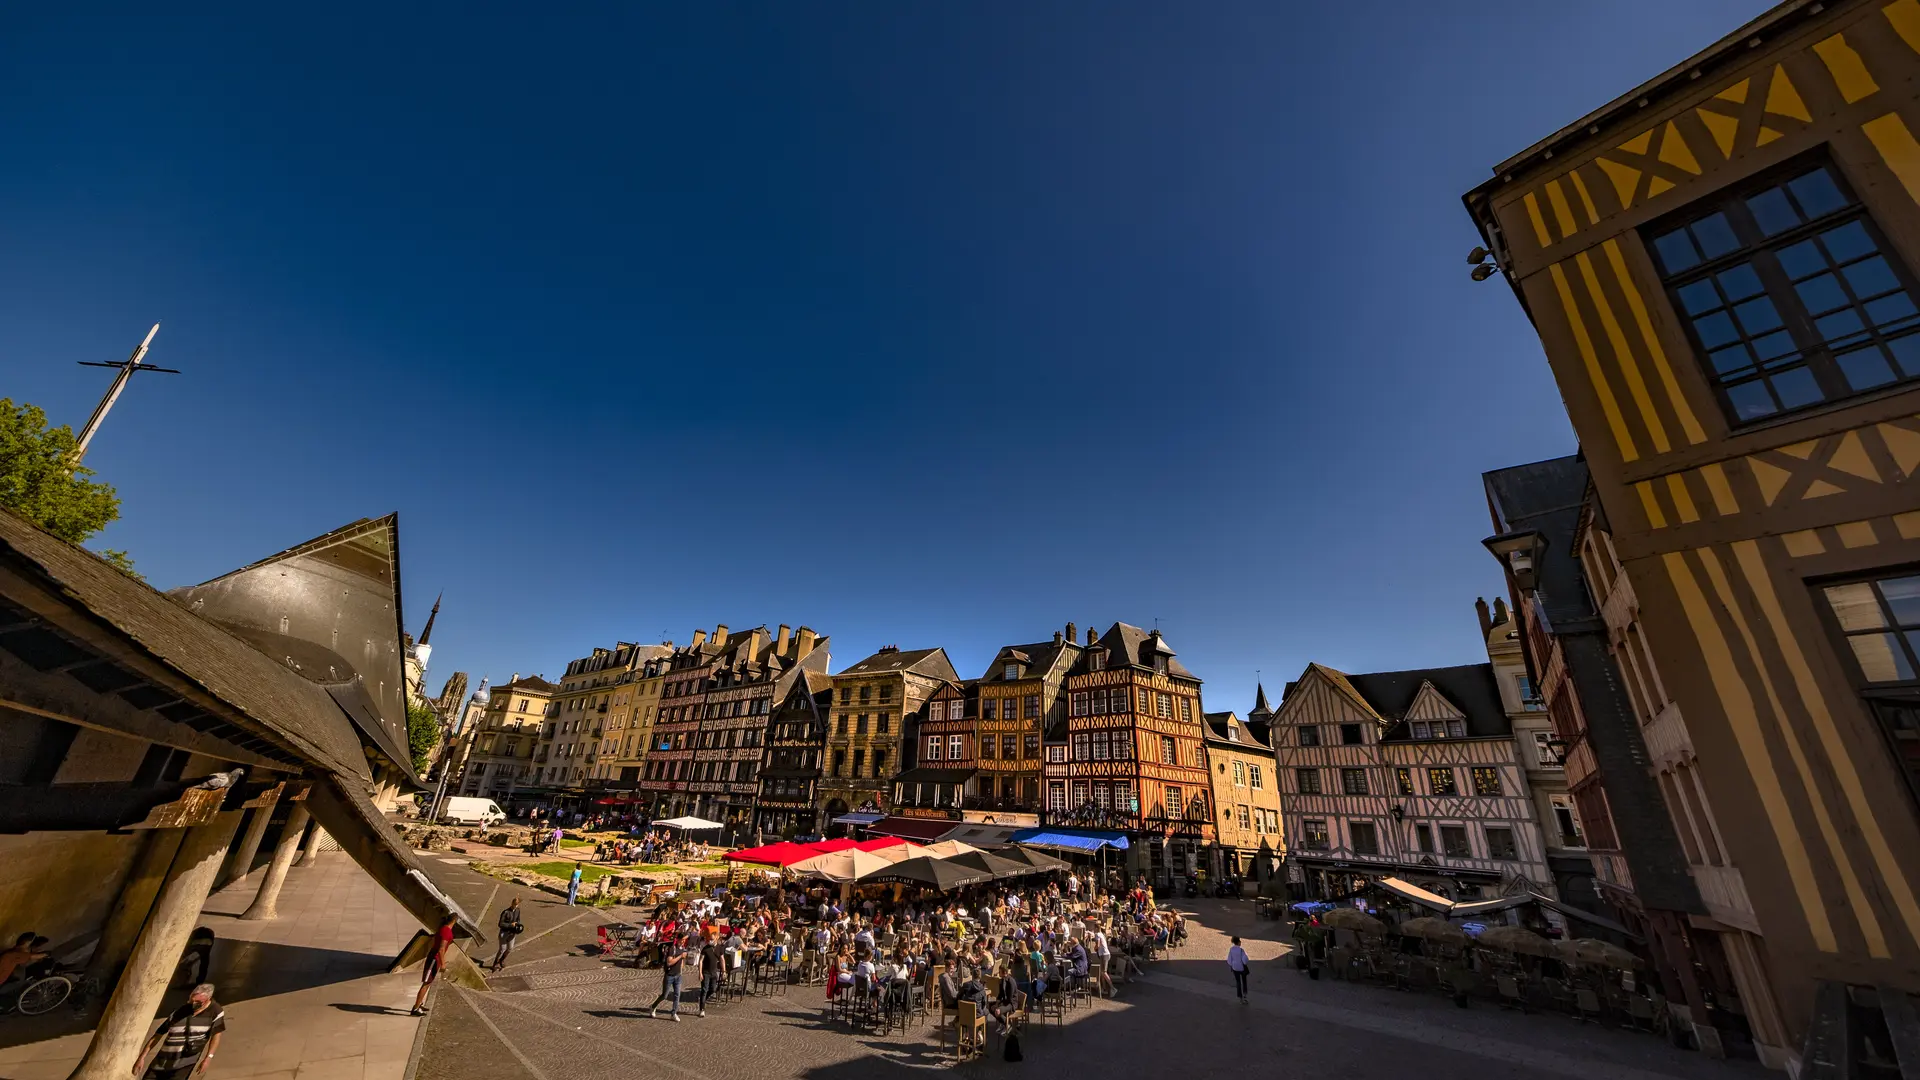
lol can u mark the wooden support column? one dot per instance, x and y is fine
(310, 851)
(116, 1042)
(136, 898)
(261, 810)
(264, 903)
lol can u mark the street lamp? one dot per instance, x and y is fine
(1558, 747)
(1520, 552)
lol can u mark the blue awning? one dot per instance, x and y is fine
(1071, 839)
(857, 819)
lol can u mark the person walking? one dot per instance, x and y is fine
(713, 968)
(1237, 963)
(186, 1039)
(673, 956)
(510, 927)
(573, 885)
(436, 956)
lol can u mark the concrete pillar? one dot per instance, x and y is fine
(248, 847)
(130, 909)
(116, 1042)
(310, 851)
(264, 902)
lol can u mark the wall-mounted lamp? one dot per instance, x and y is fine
(1520, 553)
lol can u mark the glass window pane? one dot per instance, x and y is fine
(1855, 606)
(1714, 235)
(1906, 353)
(1817, 192)
(1802, 259)
(1871, 277)
(1774, 346)
(1676, 250)
(1698, 297)
(1757, 316)
(1715, 330)
(1865, 368)
(1751, 400)
(1903, 597)
(1881, 658)
(1848, 242)
(1890, 309)
(1796, 388)
(1839, 326)
(1821, 294)
(1772, 211)
(1732, 359)
(1739, 281)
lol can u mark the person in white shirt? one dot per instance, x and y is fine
(1101, 954)
(1237, 963)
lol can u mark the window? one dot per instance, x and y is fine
(1486, 781)
(1079, 793)
(1500, 844)
(1030, 706)
(987, 745)
(1080, 751)
(1440, 782)
(1403, 780)
(956, 710)
(989, 708)
(1309, 735)
(886, 693)
(1056, 794)
(1117, 700)
(1423, 838)
(1080, 704)
(1788, 297)
(1099, 746)
(1306, 781)
(839, 762)
(1239, 774)
(1186, 710)
(1056, 754)
(1009, 747)
(1543, 753)
(1102, 796)
(1350, 735)
(1010, 671)
(1163, 706)
(879, 763)
(956, 747)
(1253, 778)
(843, 723)
(1567, 824)
(1313, 835)
(1174, 803)
(1096, 660)
(1099, 702)
(866, 694)
(1453, 842)
(1145, 702)
(1353, 781)
(1529, 699)
(1366, 839)
(1246, 816)
(1030, 748)
(1124, 798)
(1880, 621)
(860, 724)
(859, 760)
(1169, 750)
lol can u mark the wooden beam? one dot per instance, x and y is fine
(101, 807)
(1903, 1026)
(57, 697)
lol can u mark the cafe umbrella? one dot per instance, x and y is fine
(941, 874)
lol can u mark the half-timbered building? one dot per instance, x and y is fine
(1412, 774)
(1246, 792)
(866, 734)
(1020, 695)
(790, 770)
(751, 672)
(943, 762)
(1721, 264)
(666, 778)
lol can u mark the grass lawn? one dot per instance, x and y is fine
(570, 842)
(589, 872)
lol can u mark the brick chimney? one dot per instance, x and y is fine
(1056, 639)
(1500, 610)
(1073, 633)
(1486, 620)
(699, 639)
(1092, 638)
(780, 643)
(720, 634)
(802, 643)
(886, 649)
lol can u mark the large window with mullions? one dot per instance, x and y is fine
(1879, 619)
(1790, 293)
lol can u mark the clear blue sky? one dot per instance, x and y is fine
(927, 324)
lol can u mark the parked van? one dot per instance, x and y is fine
(466, 810)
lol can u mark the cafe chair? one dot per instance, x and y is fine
(969, 1032)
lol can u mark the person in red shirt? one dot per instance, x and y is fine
(436, 956)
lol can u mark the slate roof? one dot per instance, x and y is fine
(1470, 687)
(1039, 659)
(287, 709)
(533, 683)
(1221, 726)
(931, 662)
(1546, 497)
(1127, 644)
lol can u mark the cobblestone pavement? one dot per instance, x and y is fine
(559, 1013)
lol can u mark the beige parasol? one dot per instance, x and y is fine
(1433, 929)
(1516, 939)
(1346, 918)
(841, 866)
(947, 849)
(1603, 953)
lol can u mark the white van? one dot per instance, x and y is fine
(466, 810)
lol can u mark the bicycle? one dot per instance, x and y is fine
(41, 993)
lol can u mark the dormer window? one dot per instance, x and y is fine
(1160, 664)
(1097, 660)
(1010, 671)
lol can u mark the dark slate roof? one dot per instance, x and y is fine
(1471, 687)
(1131, 645)
(1260, 706)
(287, 708)
(533, 683)
(1038, 659)
(931, 662)
(1546, 497)
(1221, 726)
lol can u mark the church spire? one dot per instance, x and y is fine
(426, 635)
(1260, 706)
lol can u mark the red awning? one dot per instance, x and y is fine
(827, 847)
(925, 830)
(784, 853)
(879, 842)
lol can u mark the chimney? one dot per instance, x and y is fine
(886, 649)
(515, 679)
(720, 633)
(758, 639)
(780, 643)
(1056, 639)
(699, 639)
(802, 643)
(1092, 638)
(1500, 610)
(1486, 621)
(1073, 633)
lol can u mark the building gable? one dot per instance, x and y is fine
(1430, 704)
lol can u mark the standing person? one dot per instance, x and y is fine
(510, 927)
(673, 955)
(1237, 963)
(573, 885)
(186, 1039)
(713, 968)
(436, 956)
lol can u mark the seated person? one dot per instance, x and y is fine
(28, 952)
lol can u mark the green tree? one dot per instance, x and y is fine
(38, 483)
(423, 733)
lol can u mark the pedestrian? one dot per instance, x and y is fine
(713, 968)
(672, 956)
(186, 1039)
(510, 927)
(1237, 963)
(436, 956)
(573, 885)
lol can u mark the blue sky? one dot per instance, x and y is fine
(917, 324)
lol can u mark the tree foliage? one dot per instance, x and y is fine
(423, 734)
(37, 482)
